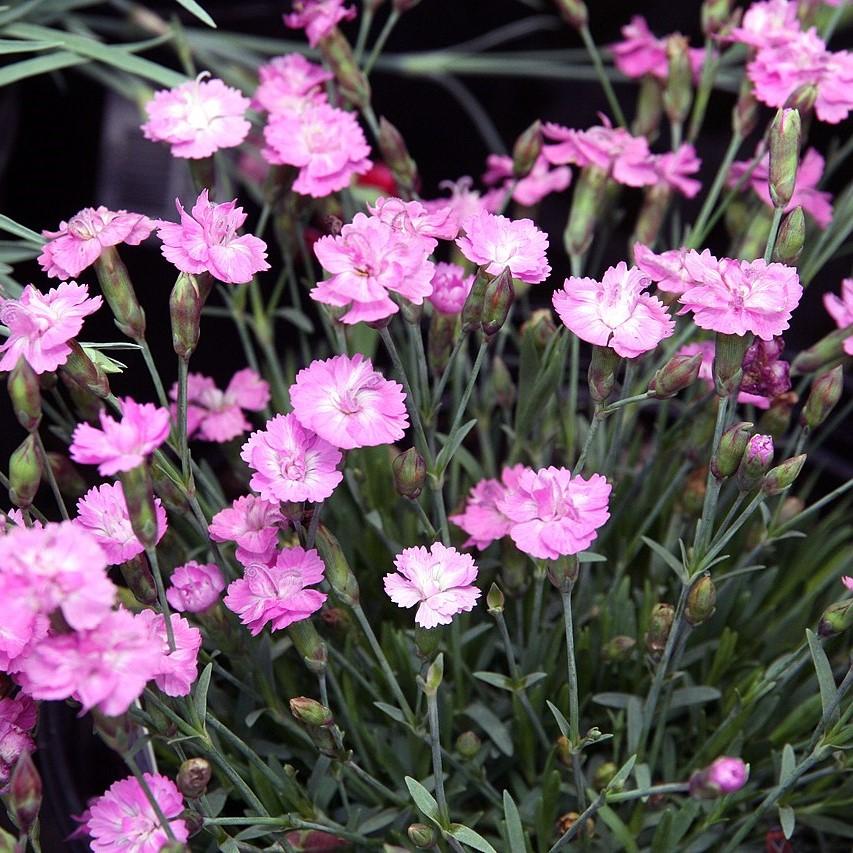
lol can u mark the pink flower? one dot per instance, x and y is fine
(723, 776)
(482, 520)
(625, 158)
(368, 261)
(290, 83)
(318, 17)
(413, 219)
(450, 288)
(615, 311)
(102, 511)
(41, 324)
(841, 310)
(121, 445)
(641, 52)
(291, 463)
(215, 415)
(17, 720)
(531, 189)
(178, 669)
(737, 297)
(806, 194)
(440, 581)
(253, 524)
(767, 24)
(123, 821)
(765, 374)
(554, 514)
(79, 242)
(675, 167)
(195, 587)
(463, 204)
(207, 241)
(197, 118)
(22, 624)
(848, 582)
(278, 594)
(326, 144)
(496, 242)
(346, 402)
(666, 269)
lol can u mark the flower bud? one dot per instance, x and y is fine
(601, 375)
(352, 84)
(660, 624)
(649, 108)
(310, 712)
(791, 238)
(732, 446)
(422, 836)
(782, 476)
(468, 744)
(823, 397)
(495, 600)
(824, 352)
(309, 644)
(409, 473)
(755, 462)
(139, 496)
(119, 293)
(118, 733)
(569, 819)
(715, 15)
(563, 572)
(497, 301)
(540, 326)
(434, 676)
(729, 351)
(723, 776)
(85, 372)
(618, 648)
(586, 203)
(24, 797)
(603, 774)
(397, 158)
(501, 386)
(678, 92)
(338, 572)
(193, 777)
(776, 420)
(677, 374)
(526, 150)
(472, 310)
(802, 99)
(784, 156)
(745, 110)
(25, 393)
(443, 331)
(25, 472)
(185, 304)
(573, 12)
(137, 575)
(701, 601)
(836, 618)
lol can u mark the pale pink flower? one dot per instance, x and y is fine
(737, 297)
(349, 404)
(533, 187)
(464, 203)
(665, 269)
(641, 52)
(318, 17)
(675, 168)
(841, 310)
(554, 514)
(368, 261)
(625, 158)
(767, 24)
(121, 445)
(848, 582)
(22, 624)
(123, 821)
(450, 288)
(414, 220)
(482, 520)
(195, 586)
(278, 594)
(326, 144)
(102, 511)
(79, 242)
(41, 324)
(495, 242)
(816, 202)
(614, 312)
(289, 84)
(197, 118)
(439, 580)
(176, 669)
(207, 241)
(253, 524)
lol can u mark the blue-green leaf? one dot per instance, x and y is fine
(194, 9)
(423, 800)
(514, 826)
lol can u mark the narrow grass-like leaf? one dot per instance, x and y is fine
(12, 227)
(620, 831)
(194, 9)
(514, 827)
(685, 696)
(562, 722)
(823, 669)
(450, 446)
(201, 689)
(669, 558)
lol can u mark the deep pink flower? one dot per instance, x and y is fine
(841, 310)
(41, 324)
(326, 144)
(816, 202)
(278, 594)
(197, 118)
(767, 24)
(102, 511)
(615, 311)
(368, 261)
(318, 17)
(79, 242)
(765, 373)
(482, 520)
(496, 242)
(450, 288)
(123, 821)
(675, 167)
(553, 513)
(207, 241)
(195, 586)
(414, 220)
(666, 269)
(464, 203)
(641, 52)
(290, 83)
(178, 669)
(736, 297)
(291, 463)
(253, 524)
(121, 445)
(17, 720)
(848, 582)
(532, 188)
(439, 580)
(346, 402)
(723, 776)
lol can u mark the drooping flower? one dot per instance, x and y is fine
(123, 819)
(41, 324)
(368, 261)
(841, 310)
(215, 415)
(496, 242)
(121, 445)
(554, 514)
(318, 17)
(176, 669)
(816, 202)
(675, 168)
(78, 243)
(641, 52)
(103, 512)
(615, 311)
(482, 520)
(767, 24)
(253, 524)
(325, 143)
(17, 720)
(665, 269)
(195, 587)
(207, 241)
(725, 775)
(278, 594)
(439, 580)
(541, 181)
(197, 118)
(450, 288)
(349, 404)
(736, 297)
(290, 83)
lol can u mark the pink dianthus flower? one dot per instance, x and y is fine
(318, 17)
(464, 203)
(665, 269)
(541, 181)
(641, 52)
(482, 520)
(767, 24)
(17, 720)
(290, 83)
(253, 524)
(414, 219)
(841, 310)
(195, 587)
(675, 168)
(176, 669)
(450, 288)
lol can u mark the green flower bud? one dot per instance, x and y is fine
(586, 203)
(836, 618)
(618, 649)
(823, 353)
(791, 238)
(715, 15)
(732, 445)
(495, 600)
(118, 733)
(310, 712)
(677, 374)
(784, 156)
(660, 624)
(117, 289)
(434, 676)
(338, 572)
(352, 84)
(497, 301)
(776, 420)
(193, 777)
(397, 158)
(802, 99)
(563, 572)
(701, 601)
(823, 397)
(24, 796)
(601, 375)
(409, 473)
(422, 836)
(139, 496)
(427, 642)
(25, 393)
(468, 744)
(603, 774)
(309, 644)
(649, 108)
(729, 351)
(137, 575)
(745, 111)
(85, 372)
(782, 476)
(185, 304)
(472, 310)
(678, 92)
(526, 150)
(25, 471)
(443, 332)
(573, 12)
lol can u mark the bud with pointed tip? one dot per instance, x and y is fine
(24, 797)
(422, 836)
(660, 624)
(755, 462)
(309, 645)
(443, 332)
(563, 572)
(782, 476)
(540, 326)
(409, 473)
(117, 289)
(802, 99)
(784, 156)
(824, 352)
(678, 373)
(468, 744)
(25, 472)
(25, 393)
(338, 572)
(745, 111)
(85, 372)
(397, 158)
(729, 351)
(701, 601)
(434, 676)
(649, 108)
(601, 375)
(618, 648)
(715, 15)
(495, 600)
(587, 201)
(310, 712)
(472, 310)
(732, 445)
(70, 481)
(678, 92)
(823, 397)
(836, 618)
(185, 304)
(139, 496)
(497, 301)
(193, 777)
(573, 12)
(137, 575)
(526, 150)
(791, 238)
(352, 83)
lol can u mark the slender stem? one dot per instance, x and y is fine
(417, 339)
(363, 31)
(774, 232)
(442, 382)
(161, 595)
(572, 672)
(51, 479)
(424, 518)
(697, 232)
(183, 438)
(597, 418)
(578, 825)
(619, 406)
(152, 369)
(152, 800)
(574, 378)
(845, 685)
(435, 746)
(469, 388)
(725, 536)
(390, 23)
(595, 56)
(703, 93)
(313, 525)
(712, 485)
(626, 401)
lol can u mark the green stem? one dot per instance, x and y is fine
(152, 369)
(469, 388)
(51, 479)
(574, 378)
(384, 33)
(595, 56)
(442, 382)
(363, 32)
(725, 536)
(826, 716)
(703, 93)
(435, 746)
(712, 486)
(774, 231)
(626, 401)
(572, 672)
(183, 438)
(151, 553)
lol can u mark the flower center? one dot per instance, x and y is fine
(347, 402)
(293, 466)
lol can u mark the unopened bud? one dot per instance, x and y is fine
(660, 624)
(185, 304)
(501, 385)
(678, 92)
(193, 777)
(724, 776)
(472, 310)
(497, 301)
(836, 618)
(434, 676)
(338, 572)
(422, 836)
(540, 327)
(732, 445)
(443, 332)
(755, 462)
(119, 293)
(791, 238)
(802, 99)
(573, 12)
(427, 642)
(701, 601)
(587, 202)
(397, 158)
(776, 420)
(603, 774)
(602, 372)
(25, 472)
(745, 111)
(569, 819)
(409, 473)
(139, 497)
(24, 797)
(791, 507)
(823, 397)
(784, 156)
(25, 393)
(677, 374)
(495, 600)
(137, 575)
(782, 476)
(563, 572)
(309, 644)
(118, 732)
(618, 648)
(85, 372)
(310, 712)
(823, 353)
(352, 84)
(649, 108)
(715, 15)
(526, 150)
(729, 351)
(468, 744)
